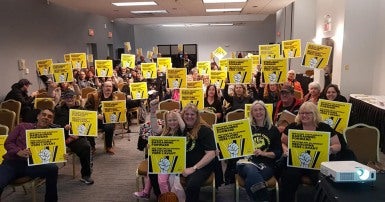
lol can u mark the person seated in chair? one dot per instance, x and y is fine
(78, 144)
(15, 160)
(267, 139)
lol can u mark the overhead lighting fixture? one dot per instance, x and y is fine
(185, 25)
(223, 10)
(146, 12)
(223, 1)
(143, 3)
(222, 24)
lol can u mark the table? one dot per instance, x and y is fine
(328, 190)
(370, 110)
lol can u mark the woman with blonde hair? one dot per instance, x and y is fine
(200, 152)
(309, 119)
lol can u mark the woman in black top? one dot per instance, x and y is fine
(213, 103)
(332, 93)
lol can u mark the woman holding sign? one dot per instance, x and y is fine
(267, 144)
(308, 119)
(200, 152)
(174, 126)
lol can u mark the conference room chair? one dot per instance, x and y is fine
(208, 116)
(141, 174)
(84, 93)
(210, 182)
(4, 129)
(169, 105)
(14, 106)
(46, 103)
(235, 115)
(7, 118)
(272, 186)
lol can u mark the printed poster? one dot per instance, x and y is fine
(138, 90)
(224, 64)
(218, 78)
(269, 108)
(166, 155)
(3, 137)
(204, 67)
(269, 51)
(220, 52)
(192, 95)
(78, 60)
(176, 78)
(114, 111)
(335, 114)
(308, 149)
(164, 64)
(256, 62)
(83, 123)
(274, 71)
(103, 68)
(67, 58)
(127, 60)
(62, 72)
(46, 145)
(195, 84)
(149, 70)
(291, 48)
(316, 56)
(240, 70)
(234, 139)
(44, 67)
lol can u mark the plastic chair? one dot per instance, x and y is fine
(14, 106)
(169, 105)
(235, 115)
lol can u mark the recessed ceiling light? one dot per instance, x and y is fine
(185, 25)
(143, 3)
(153, 11)
(223, 1)
(224, 10)
(222, 24)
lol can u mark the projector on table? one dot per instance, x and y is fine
(348, 171)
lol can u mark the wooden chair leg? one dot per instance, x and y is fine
(33, 190)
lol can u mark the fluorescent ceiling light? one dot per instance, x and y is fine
(143, 3)
(222, 24)
(223, 10)
(185, 25)
(153, 11)
(223, 1)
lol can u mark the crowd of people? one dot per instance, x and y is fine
(201, 150)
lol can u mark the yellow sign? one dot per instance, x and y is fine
(128, 60)
(3, 137)
(127, 46)
(308, 149)
(224, 64)
(164, 64)
(138, 90)
(269, 51)
(46, 145)
(62, 72)
(114, 111)
(44, 67)
(166, 155)
(316, 56)
(83, 123)
(335, 114)
(218, 78)
(149, 70)
(195, 84)
(176, 78)
(234, 139)
(274, 71)
(240, 70)
(78, 60)
(103, 68)
(204, 67)
(220, 52)
(256, 60)
(192, 95)
(269, 108)
(67, 58)
(291, 48)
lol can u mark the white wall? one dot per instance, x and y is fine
(231, 38)
(378, 82)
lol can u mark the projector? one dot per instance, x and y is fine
(348, 171)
